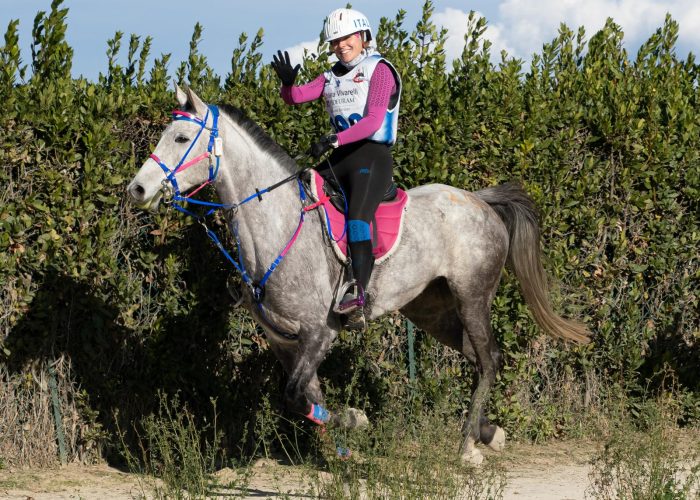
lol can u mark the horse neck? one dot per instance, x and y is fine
(262, 226)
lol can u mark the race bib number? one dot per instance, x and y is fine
(340, 123)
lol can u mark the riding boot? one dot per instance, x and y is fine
(353, 302)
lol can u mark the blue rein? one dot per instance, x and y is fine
(214, 150)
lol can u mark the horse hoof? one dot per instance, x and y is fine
(472, 457)
(351, 418)
(498, 441)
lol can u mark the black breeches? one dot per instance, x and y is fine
(364, 172)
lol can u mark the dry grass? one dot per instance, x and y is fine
(657, 462)
(27, 430)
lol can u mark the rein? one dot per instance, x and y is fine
(215, 150)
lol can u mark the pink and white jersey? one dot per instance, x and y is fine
(346, 99)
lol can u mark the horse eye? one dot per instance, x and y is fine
(181, 138)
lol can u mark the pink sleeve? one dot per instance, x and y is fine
(381, 86)
(303, 93)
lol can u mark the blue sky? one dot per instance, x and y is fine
(518, 26)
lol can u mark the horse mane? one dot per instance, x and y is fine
(259, 136)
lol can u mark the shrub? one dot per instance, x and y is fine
(607, 144)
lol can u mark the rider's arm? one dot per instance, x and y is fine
(381, 86)
(294, 94)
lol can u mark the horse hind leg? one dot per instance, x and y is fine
(435, 312)
(489, 434)
(478, 340)
(447, 328)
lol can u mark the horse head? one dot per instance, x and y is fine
(186, 155)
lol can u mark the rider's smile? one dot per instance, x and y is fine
(348, 47)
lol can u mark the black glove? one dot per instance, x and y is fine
(280, 63)
(324, 144)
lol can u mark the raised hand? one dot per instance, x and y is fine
(280, 63)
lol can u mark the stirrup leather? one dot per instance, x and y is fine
(359, 301)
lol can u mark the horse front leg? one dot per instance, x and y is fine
(286, 354)
(303, 393)
(303, 382)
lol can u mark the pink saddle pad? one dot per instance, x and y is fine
(389, 217)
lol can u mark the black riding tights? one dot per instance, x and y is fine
(364, 171)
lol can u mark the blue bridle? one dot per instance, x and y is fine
(214, 150)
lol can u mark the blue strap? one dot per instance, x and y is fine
(239, 268)
(192, 119)
(203, 203)
(257, 194)
(279, 258)
(185, 211)
(302, 193)
(212, 136)
(257, 289)
(194, 141)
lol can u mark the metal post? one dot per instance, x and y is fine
(411, 353)
(53, 387)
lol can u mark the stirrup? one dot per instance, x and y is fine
(346, 301)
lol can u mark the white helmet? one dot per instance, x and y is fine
(343, 22)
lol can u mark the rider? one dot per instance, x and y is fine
(362, 93)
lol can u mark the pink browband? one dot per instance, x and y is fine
(185, 165)
(187, 115)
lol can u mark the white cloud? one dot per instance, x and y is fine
(296, 52)
(689, 32)
(530, 24)
(456, 22)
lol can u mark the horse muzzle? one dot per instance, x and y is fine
(140, 197)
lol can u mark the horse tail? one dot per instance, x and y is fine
(518, 212)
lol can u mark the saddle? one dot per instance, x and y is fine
(385, 228)
(332, 189)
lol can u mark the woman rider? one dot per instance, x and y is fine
(362, 93)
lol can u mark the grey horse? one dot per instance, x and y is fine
(443, 276)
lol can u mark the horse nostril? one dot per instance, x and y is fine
(137, 192)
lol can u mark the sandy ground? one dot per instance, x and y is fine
(553, 471)
(548, 472)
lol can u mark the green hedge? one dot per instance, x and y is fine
(606, 143)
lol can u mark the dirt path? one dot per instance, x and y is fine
(554, 471)
(557, 471)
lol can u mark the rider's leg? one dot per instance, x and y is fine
(364, 172)
(360, 242)
(367, 183)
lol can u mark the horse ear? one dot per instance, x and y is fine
(181, 97)
(193, 100)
